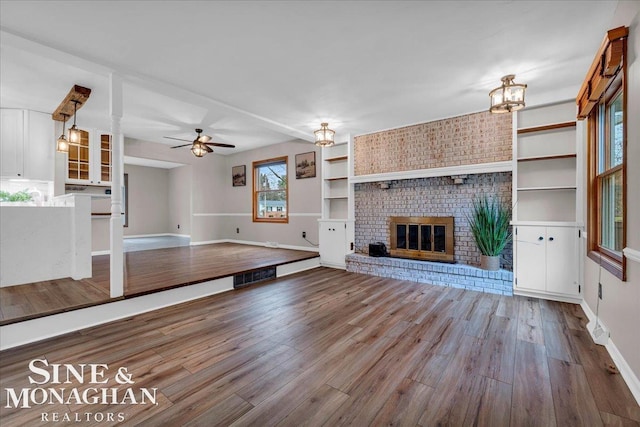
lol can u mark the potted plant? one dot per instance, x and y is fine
(489, 223)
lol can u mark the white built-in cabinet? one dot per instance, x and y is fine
(546, 260)
(336, 224)
(545, 196)
(89, 160)
(27, 145)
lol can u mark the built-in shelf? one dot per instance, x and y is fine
(547, 157)
(335, 159)
(336, 178)
(551, 126)
(555, 187)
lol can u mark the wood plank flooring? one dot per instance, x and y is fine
(145, 272)
(329, 348)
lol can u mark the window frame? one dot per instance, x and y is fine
(599, 128)
(255, 192)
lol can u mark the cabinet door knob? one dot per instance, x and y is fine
(551, 239)
(540, 238)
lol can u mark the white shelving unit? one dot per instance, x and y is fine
(336, 225)
(545, 195)
(335, 177)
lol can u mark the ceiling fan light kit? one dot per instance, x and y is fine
(324, 135)
(199, 149)
(201, 145)
(508, 97)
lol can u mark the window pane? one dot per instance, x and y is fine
(272, 204)
(615, 131)
(611, 211)
(272, 177)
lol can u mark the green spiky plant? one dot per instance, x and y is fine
(489, 222)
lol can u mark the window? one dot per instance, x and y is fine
(607, 175)
(270, 193)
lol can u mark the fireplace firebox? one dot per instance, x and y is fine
(425, 238)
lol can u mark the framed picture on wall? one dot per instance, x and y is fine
(239, 175)
(306, 165)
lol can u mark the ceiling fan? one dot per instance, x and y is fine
(201, 145)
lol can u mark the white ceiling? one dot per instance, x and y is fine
(254, 73)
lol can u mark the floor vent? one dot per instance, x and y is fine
(245, 279)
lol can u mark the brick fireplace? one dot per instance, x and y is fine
(427, 197)
(432, 169)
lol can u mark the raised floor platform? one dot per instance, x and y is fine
(435, 273)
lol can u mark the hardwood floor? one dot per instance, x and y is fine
(145, 272)
(327, 347)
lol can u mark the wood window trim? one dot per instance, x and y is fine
(609, 260)
(285, 220)
(606, 65)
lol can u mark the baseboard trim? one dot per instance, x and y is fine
(626, 372)
(263, 244)
(209, 242)
(137, 236)
(561, 298)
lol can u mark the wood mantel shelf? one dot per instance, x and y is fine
(77, 93)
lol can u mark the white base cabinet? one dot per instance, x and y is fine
(546, 259)
(334, 244)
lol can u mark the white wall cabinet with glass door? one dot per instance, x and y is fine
(545, 195)
(90, 158)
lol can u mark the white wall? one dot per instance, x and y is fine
(180, 200)
(148, 200)
(219, 215)
(620, 305)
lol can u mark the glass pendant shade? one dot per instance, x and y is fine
(62, 144)
(324, 135)
(199, 149)
(74, 133)
(508, 97)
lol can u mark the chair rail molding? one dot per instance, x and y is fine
(632, 254)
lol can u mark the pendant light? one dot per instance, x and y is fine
(62, 144)
(508, 97)
(74, 132)
(324, 135)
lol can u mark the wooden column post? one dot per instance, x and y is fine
(117, 159)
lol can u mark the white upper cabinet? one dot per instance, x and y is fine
(27, 145)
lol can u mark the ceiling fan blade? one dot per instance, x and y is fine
(209, 150)
(218, 144)
(177, 139)
(183, 145)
